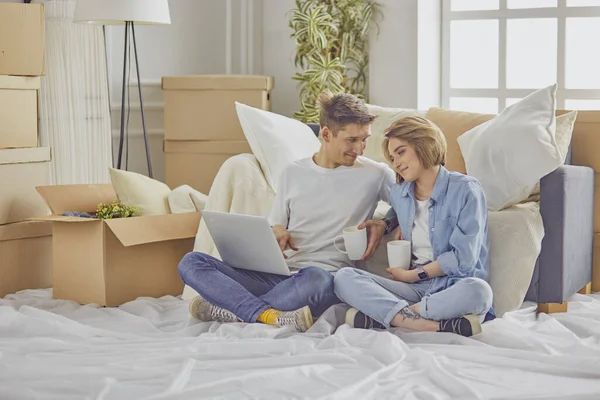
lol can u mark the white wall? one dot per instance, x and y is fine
(278, 55)
(404, 67)
(405, 55)
(194, 43)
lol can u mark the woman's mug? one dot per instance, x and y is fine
(355, 241)
(399, 254)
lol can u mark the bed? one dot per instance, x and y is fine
(152, 349)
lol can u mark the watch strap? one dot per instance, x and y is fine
(422, 274)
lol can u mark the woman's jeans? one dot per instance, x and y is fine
(381, 298)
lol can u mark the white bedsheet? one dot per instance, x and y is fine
(152, 349)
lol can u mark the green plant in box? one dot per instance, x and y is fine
(115, 210)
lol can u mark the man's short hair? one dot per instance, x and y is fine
(337, 111)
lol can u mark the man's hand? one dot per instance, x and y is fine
(284, 238)
(375, 232)
(403, 275)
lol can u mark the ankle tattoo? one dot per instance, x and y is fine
(407, 313)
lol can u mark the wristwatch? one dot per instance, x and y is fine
(422, 274)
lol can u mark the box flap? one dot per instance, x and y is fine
(207, 146)
(20, 82)
(81, 198)
(62, 218)
(23, 230)
(154, 228)
(25, 155)
(218, 82)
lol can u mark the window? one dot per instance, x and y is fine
(495, 52)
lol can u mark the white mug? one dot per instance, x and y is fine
(399, 254)
(355, 241)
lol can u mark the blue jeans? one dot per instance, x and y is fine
(381, 298)
(248, 293)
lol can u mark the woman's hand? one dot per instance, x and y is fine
(403, 275)
(398, 235)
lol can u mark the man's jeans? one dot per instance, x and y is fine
(249, 293)
(381, 298)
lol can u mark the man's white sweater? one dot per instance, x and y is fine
(316, 203)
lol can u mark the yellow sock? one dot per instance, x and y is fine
(268, 316)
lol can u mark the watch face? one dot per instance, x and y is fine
(422, 275)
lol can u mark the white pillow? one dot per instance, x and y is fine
(510, 153)
(199, 199)
(184, 199)
(516, 235)
(385, 117)
(276, 140)
(148, 195)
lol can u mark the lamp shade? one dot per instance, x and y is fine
(117, 12)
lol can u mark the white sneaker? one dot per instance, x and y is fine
(204, 310)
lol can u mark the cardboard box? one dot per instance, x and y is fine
(111, 262)
(21, 170)
(596, 202)
(196, 163)
(203, 107)
(25, 256)
(596, 264)
(585, 144)
(22, 39)
(19, 111)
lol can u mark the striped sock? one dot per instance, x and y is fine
(269, 316)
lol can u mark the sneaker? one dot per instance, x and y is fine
(300, 319)
(357, 319)
(468, 325)
(203, 310)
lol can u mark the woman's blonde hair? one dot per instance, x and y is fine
(423, 135)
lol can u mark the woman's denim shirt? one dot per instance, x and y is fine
(458, 225)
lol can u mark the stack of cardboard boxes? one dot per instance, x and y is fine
(25, 246)
(202, 129)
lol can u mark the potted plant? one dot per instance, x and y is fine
(332, 49)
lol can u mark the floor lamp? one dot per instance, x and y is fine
(129, 13)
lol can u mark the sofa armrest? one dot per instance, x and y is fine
(567, 207)
(316, 128)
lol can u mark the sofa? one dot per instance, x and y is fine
(564, 265)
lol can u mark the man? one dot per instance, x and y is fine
(316, 198)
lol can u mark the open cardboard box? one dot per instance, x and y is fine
(111, 262)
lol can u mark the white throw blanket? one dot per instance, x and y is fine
(515, 233)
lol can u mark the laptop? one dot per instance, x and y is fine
(246, 242)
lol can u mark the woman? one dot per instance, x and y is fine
(444, 216)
